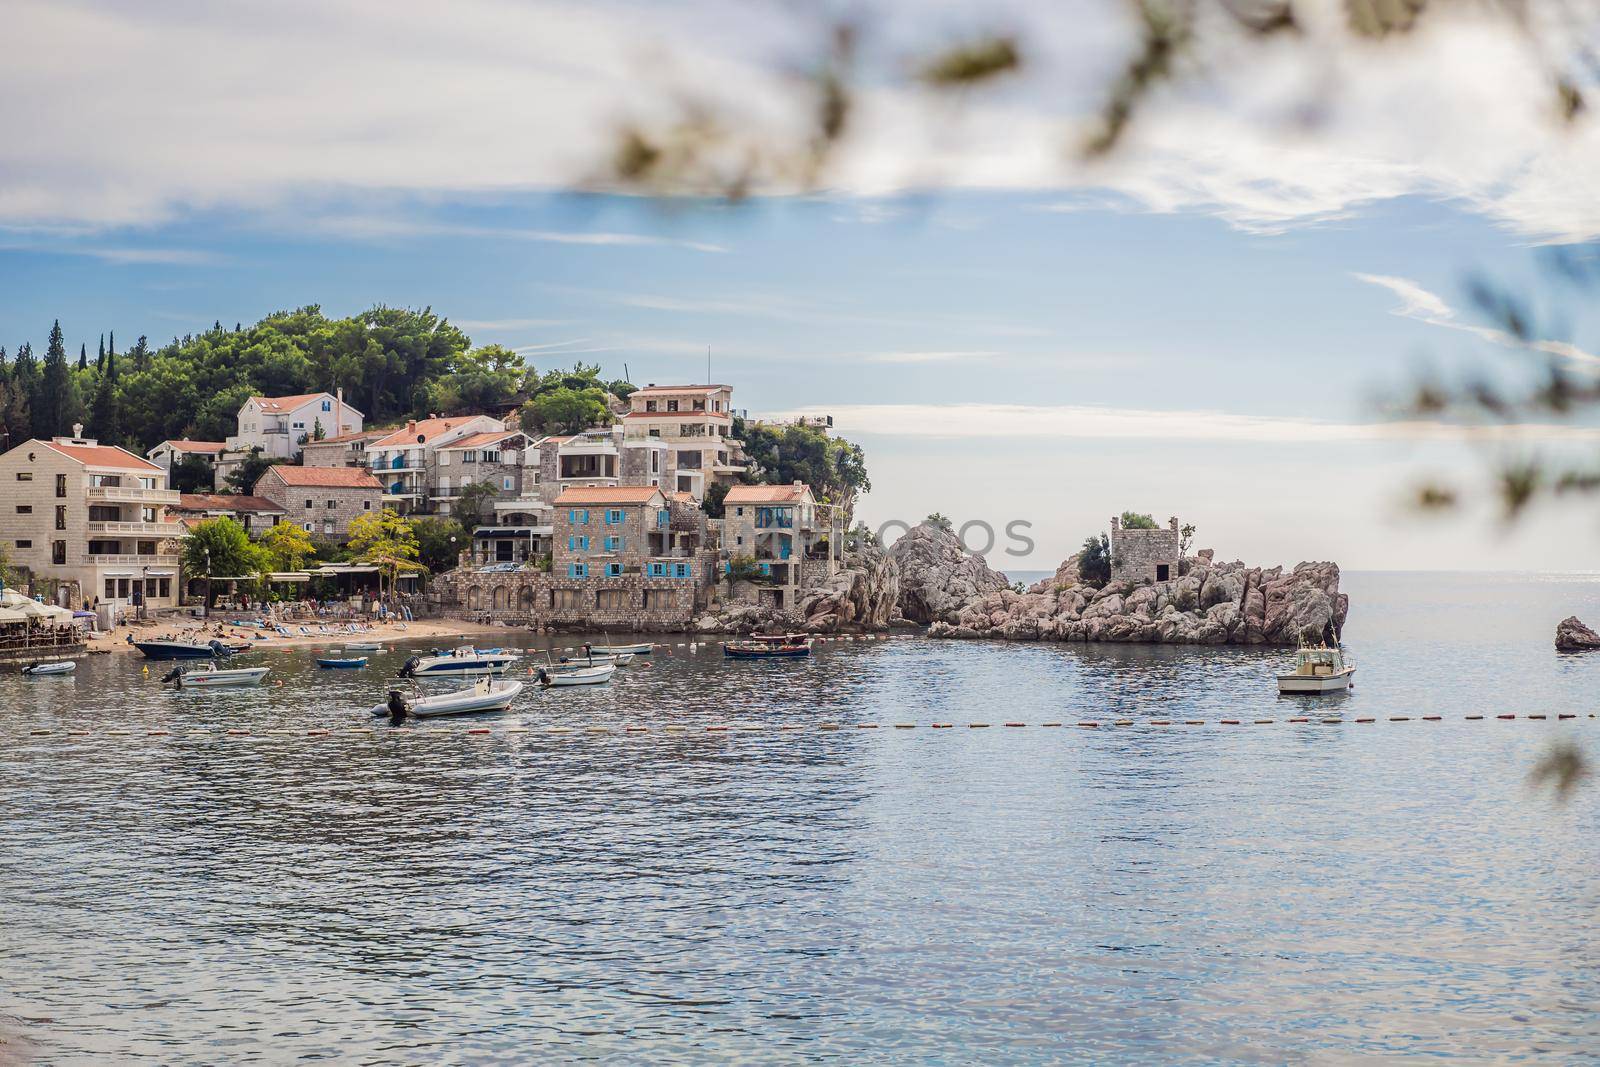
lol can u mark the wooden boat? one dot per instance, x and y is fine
(55, 666)
(781, 639)
(482, 696)
(363, 646)
(642, 649)
(213, 677)
(765, 650)
(597, 659)
(174, 648)
(463, 660)
(581, 676)
(338, 663)
(1318, 670)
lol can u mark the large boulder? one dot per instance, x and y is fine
(1573, 636)
(862, 596)
(938, 576)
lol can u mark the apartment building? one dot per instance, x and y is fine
(280, 426)
(695, 422)
(498, 458)
(792, 538)
(169, 454)
(345, 450)
(604, 456)
(92, 519)
(323, 500)
(405, 461)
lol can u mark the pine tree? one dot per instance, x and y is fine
(83, 357)
(24, 383)
(106, 414)
(57, 403)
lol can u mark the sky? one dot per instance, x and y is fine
(1209, 323)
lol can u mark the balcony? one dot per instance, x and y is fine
(132, 494)
(154, 560)
(138, 529)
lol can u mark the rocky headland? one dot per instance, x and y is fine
(939, 578)
(863, 596)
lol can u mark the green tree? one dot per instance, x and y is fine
(83, 357)
(55, 405)
(24, 385)
(1094, 560)
(835, 469)
(105, 408)
(939, 522)
(243, 478)
(565, 410)
(220, 548)
(1133, 520)
(191, 474)
(716, 493)
(387, 541)
(287, 547)
(439, 542)
(473, 503)
(484, 379)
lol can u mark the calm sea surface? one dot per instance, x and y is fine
(1242, 893)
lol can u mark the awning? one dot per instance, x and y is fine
(8, 615)
(347, 568)
(288, 576)
(510, 531)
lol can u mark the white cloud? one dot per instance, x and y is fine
(1124, 424)
(1427, 306)
(930, 357)
(377, 227)
(337, 98)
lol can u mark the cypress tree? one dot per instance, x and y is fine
(24, 382)
(83, 357)
(106, 414)
(100, 362)
(52, 405)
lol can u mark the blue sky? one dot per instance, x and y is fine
(1203, 330)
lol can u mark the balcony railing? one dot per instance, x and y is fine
(133, 494)
(139, 529)
(152, 560)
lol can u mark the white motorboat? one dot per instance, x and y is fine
(1318, 670)
(485, 695)
(364, 646)
(215, 677)
(642, 649)
(55, 666)
(463, 660)
(578, 676)
(595, 659)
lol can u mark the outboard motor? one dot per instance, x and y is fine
(409, 668)
(173, 675)
(218, 649)
(543, 677)
(397, 707)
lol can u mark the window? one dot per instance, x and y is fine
(469, 456)
(650, 405)
(147, 548)
(614, 517)
(327, 405)
(611, 599)
(147, 514)
(663, 517)
(327, 527)
(578, 543)
(577, 570)
(164, 588)
(739, 512)
(24, 509)
(672, 405)
(366, 505)
(656, 570)
(580, 517)
(738, 540)
(658, 599)
(58, 552)
(613, 570)
(491, 456)
(111, 589)
(505, 483)
(681, 570)
(332, 504)
(310, 504)
(61, 516)
(613, 544)
(24, 476)
(566, 598)
(61, 485)
(25, 544)
(699, 405)
(308, 527)
(655, 462)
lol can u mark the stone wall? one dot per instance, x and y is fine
(1139, 555)
(348, 504)
(544, 600)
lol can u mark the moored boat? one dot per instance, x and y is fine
(463, 660)
(581, 676)
(363, 646)
(55, 666)
(1318, 670)
(177, 648)
(482, 696)
(212, 677)
(641, 649)
(765, 650)
(341, 663)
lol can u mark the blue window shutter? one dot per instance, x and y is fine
(571, 571)
(585, 516)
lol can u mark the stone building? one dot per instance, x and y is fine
(323, 500)
(695, 422)
(345, 450)
(406, 461)
(786, 533)
(256, 514)
(91, 521)
(1145, 555)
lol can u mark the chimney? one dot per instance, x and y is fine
(411, 425)
(77, 430)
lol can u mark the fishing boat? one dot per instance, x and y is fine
(642, 649)
(768, 648)
(485, 695)
(176, 648)
(341, 663)
(363, 646)
(55, 666)
(1318, 670)
(213, 677)
(463, 660)
(548, 677)
(593, 657)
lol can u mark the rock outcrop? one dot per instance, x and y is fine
(1210, 604)
(938, 576)
(1573, 636)
(862, 596)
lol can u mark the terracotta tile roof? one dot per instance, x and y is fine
(323, 477)
(607, 494)
(224, 502)
(279, 405)
(194, 446)
(653, 390)
(479, 440)
(765, 494)
(427, 429)
(104, 456)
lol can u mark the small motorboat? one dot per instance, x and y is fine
(363, 646)
(212, 677)
(1318, 670)
(548, 676)
(595, 658)
(177, 648)
(463, 660)
(642, 649)
(55, 666)
(766, 649)
(485, 695)
(341, 663)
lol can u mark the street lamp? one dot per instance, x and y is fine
(144, 587)
(205, 607)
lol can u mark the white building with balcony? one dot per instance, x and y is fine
(281, 425)
(92, 520)
(407, 461)
(696, 423)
